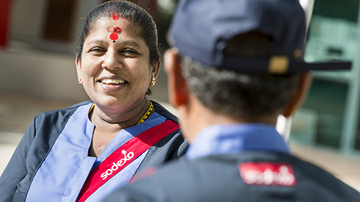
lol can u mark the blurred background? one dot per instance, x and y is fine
(37, 73)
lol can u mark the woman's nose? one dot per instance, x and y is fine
(111, 61)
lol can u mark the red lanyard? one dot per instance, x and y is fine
(123, 156)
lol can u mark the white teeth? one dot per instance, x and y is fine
(112, 81)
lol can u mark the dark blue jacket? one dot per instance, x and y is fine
(218, 178)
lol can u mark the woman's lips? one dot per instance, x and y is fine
(111, 85)
(112, 81)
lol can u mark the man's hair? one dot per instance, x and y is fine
(241, 96)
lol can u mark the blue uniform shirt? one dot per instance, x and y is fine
(236, 138)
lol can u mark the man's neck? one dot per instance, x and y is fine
(194, 117)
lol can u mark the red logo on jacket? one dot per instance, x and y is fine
(267, 173)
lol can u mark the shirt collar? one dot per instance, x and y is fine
(236, 138)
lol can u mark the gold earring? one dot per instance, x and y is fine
(153, 81)
(80, 81)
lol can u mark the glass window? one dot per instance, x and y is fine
(332, 35)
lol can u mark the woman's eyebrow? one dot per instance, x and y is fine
(131, 42)
(97, 41)
(102, 42)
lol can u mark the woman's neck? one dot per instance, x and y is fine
(109, 120)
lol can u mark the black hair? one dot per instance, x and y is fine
(135, 14)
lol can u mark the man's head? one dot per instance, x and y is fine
(244, 97)
(237, 61)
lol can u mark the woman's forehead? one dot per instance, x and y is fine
(107, 30)
(108, 23)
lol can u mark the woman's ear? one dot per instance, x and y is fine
(299, 94)
(78, 66)
(156, 68)
(178, 92)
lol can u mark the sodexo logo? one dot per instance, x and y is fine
(116, 165)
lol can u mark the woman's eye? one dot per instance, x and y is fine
(97, 49)
(129, 51)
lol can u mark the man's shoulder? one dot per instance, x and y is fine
(251, 176)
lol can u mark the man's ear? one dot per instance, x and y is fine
(299, 94)
(178, 92)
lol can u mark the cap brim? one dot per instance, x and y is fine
(280, 65)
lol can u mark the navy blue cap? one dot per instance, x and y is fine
(201, 29)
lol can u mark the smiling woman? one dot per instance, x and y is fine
(117, 75)
(86, 151)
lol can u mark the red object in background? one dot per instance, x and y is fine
(5, 8)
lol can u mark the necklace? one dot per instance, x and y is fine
(143, 118)
(147, 113)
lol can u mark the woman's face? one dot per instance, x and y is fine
(115, 66)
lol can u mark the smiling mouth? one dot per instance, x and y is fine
(112, 85)
(112, 81)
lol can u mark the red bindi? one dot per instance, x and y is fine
(117, 30)
(115, 16)
(113, 36)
